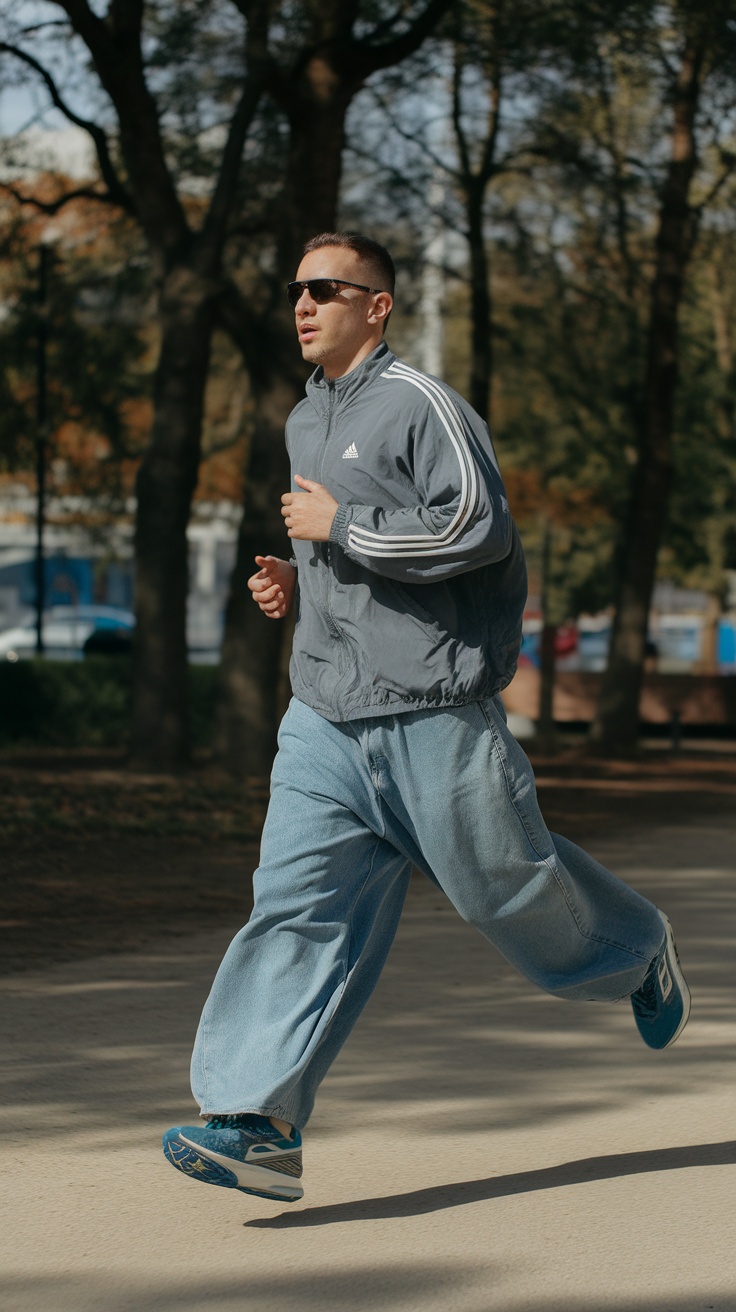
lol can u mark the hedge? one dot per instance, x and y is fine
(86, 703)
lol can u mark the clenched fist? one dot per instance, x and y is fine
(308, 514)
(273, 586)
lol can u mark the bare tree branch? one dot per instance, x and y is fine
(116, 191)
(115, 47)
(257, 63)
(489, 164)
(53, 207)
(235, 316)
(370, 56)
(386, 25)
(413, 188)
(623, 222)
(33, 28)
(697, 211)
(396, 124)
(461, 139)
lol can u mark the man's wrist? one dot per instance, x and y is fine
(339, 526)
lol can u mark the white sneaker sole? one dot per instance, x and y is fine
(255, 1179)
(679, 978)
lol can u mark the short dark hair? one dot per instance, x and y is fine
(371, 252)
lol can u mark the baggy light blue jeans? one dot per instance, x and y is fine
(353, 806)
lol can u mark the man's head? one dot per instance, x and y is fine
(339, 324)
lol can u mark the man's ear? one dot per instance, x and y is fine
(382, 307)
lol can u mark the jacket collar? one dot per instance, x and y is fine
(321, 390)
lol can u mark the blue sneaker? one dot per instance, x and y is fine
(242, 1152)
(661, 1003)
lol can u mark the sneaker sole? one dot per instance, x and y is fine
(213, 1168)
(676, 969)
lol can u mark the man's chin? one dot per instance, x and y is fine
(311, 353)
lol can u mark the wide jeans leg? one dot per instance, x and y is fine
(353, 806)
(460, 800)
(329, 892)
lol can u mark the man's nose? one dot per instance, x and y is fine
(305, 302)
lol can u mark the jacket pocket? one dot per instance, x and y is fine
(414, 608)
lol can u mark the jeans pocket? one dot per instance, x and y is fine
(519, 777)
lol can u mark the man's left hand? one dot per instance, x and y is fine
(308, 514)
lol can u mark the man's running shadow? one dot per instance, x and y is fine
(439, 1197)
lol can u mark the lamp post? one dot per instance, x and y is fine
(42, 335)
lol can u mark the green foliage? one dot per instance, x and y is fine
(97, 289)
(86, 703)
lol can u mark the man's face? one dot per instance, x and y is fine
(340, 333)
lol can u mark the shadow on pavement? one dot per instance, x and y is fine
(350, 1287)
(442, 1196)
(357, 1288)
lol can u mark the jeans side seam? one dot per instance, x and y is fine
(205, 1080)
(522, 821)
(347, 972)
(594, 938)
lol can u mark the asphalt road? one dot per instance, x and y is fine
(478, 1147)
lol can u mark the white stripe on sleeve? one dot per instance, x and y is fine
(369, 543)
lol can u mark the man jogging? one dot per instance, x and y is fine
(410, 584)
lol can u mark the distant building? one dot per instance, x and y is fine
(89, 558)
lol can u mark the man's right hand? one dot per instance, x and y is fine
(273, 586)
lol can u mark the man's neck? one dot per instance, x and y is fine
(335, 372)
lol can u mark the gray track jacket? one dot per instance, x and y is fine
(416, 601)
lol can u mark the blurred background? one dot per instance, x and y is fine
(556, 182)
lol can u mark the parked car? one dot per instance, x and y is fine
(66, 629)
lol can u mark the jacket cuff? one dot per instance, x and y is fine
(339, 530)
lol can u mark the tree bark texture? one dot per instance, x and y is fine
(616, 725)
(252, 652)
(547, 657)
(475, 178)
(165, 486)
(481, 358)
(546, 733)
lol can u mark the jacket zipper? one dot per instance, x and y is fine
(332, 624)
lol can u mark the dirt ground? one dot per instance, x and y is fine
(97, 858)
(478, 1146)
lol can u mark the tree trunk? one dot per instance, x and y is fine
(481, 365)
(314, 168)
(616, 725)
(165, 486)
(248, 705)
(546, 735)
(252, 653)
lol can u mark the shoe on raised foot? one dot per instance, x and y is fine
(243, 1152)
(661, 1004)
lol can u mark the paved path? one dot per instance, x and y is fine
(478, 1147)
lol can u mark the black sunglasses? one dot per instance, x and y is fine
(322, 290)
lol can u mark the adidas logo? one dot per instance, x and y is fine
(351, 453)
